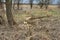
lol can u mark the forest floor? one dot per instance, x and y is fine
(34, 24)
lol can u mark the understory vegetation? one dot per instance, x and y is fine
(33, 24)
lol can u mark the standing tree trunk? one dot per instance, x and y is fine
(58, 3)
(0, 4)
(14, 4)
(46, 3)
(9, 12)
(18, 4)
(31, 3)
(41, 3)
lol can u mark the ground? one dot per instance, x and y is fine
(33, 24)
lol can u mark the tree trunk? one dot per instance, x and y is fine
(9, 12)
(31, 3)
(14, 4)
(46, 3)
(0, 4)
(59, 4)
(18, 4)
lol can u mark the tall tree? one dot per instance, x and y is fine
(9, 12)
(44, 2)
(0, 4)
(58, 3)
(31, 3)
(14, 3)
(18, 4)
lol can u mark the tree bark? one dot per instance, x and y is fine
(0, 4)
(9, 12)
(31, 3)
(14, 4)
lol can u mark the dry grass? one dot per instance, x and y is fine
(44, 26)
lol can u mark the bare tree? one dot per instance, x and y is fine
(58, 3)
(14, 4)
(0, 3)
(9, 12)
(44, 2)
(31, 3)
(18, 4)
